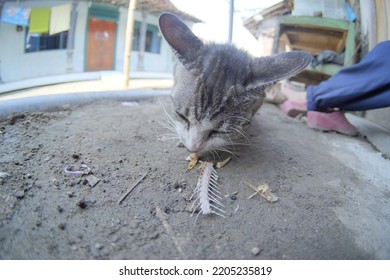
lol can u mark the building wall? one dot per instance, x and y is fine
(16, 65)
(162, 62)
(382, 33)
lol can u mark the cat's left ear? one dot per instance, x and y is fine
(183, 42)
(270, 69)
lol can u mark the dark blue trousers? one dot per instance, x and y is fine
(360, 87)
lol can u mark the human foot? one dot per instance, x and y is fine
(292, 108)
(333, 121)
(293, 94)
(274, 95)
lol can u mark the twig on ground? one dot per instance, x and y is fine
(132, 188)
(161, 216)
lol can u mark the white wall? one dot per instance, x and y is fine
(162, 62)
(16, 65)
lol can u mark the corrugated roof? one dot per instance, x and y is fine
(154, 7)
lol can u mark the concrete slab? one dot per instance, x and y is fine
(377, 135)
(109, 77)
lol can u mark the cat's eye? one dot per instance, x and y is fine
(182, 117)
(213, 133)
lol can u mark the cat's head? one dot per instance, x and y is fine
(218, 88)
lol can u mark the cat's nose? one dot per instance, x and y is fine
(194, 141)
(194, 146)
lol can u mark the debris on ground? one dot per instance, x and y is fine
(208, 199)
(264, 191)
(223, 163)
(193, 160)
(92, 180)
(82, 170)
(131, 188)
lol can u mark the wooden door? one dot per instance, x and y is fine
(100, 45)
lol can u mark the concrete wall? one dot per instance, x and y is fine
(162, 62)
(376, 28)
(17, 65)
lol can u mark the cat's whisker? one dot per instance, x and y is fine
(170, 135)
(224, 149)
(166, 113)
(171, 138)
(241, 142)
(240, 117)
(239, 132)
(213, 153)
(168, 117)
(230, 139)
(167, 126)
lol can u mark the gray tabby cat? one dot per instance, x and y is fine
(219, 88)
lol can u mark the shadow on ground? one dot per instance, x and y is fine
(333, 190)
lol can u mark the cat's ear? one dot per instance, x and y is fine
(270, 69)
(183, 42)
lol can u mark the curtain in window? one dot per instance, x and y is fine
(40, 20)
(60, 19)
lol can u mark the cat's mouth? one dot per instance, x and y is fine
(196, 147)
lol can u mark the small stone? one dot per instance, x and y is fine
(4, 175)
(62, 226)
(56, 182)
(176, 185)
(255, 251)
(92, 180)
(70, 194)
(82, 204)
(19, 194)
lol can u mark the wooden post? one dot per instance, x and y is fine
(142, 41)
(231, 16)
(128, 42)
(71, 34)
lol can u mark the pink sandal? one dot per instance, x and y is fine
(293, 108)
(333, 121)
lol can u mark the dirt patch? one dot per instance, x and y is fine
(47, 213)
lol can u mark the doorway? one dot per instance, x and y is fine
(100, 51)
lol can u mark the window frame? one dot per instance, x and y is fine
(63, 41)
(155, 33)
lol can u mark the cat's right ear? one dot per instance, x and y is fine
(183, 42)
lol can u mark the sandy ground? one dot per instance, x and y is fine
(333, 190)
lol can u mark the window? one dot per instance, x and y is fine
(41, 42)
(152, 40)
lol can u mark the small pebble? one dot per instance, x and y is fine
(19, 194)
(255, 251)
(62, 226)
(70, 194)
(82, 204)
